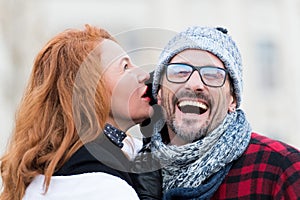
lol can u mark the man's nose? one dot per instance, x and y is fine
(195, 83)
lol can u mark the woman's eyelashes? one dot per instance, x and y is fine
(126, 67)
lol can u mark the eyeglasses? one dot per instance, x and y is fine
(210, 76)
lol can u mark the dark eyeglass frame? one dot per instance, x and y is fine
(197, 68)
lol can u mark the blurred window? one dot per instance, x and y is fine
(267, 61)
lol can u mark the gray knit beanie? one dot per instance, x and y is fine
(214, 40)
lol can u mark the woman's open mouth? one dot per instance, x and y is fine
(147, 95)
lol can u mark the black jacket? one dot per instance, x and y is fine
(99, 155)
(146, 176)
(103, 156)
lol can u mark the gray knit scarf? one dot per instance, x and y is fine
(191, 164)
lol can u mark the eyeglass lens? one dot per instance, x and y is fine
(210, 75)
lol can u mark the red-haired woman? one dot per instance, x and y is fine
(82, 96)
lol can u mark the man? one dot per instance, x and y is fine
(207, 148)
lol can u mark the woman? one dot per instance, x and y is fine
(72, 120)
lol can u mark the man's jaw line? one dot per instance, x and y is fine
(194, 110)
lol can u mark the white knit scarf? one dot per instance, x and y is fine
(191, 164)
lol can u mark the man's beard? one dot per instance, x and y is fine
(187, 130)
(182, 131)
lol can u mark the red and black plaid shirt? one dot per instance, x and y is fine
(268, 169)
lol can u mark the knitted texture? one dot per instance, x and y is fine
(214, 40)
(189, 165)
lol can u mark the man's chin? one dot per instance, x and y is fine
(190, 124)
(189, 132)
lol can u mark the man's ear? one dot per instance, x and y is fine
(232, 105)
(159, 97)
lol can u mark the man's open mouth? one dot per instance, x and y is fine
(194, 107)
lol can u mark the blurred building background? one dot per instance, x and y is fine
(267, 32)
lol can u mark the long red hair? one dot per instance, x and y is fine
(63, 107)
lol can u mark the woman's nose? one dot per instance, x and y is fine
(142, 75)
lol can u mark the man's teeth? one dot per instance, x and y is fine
(193, 103)
(193, 107)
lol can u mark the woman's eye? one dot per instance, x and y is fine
(126, 67)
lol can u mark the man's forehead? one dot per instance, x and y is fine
(197, 57)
